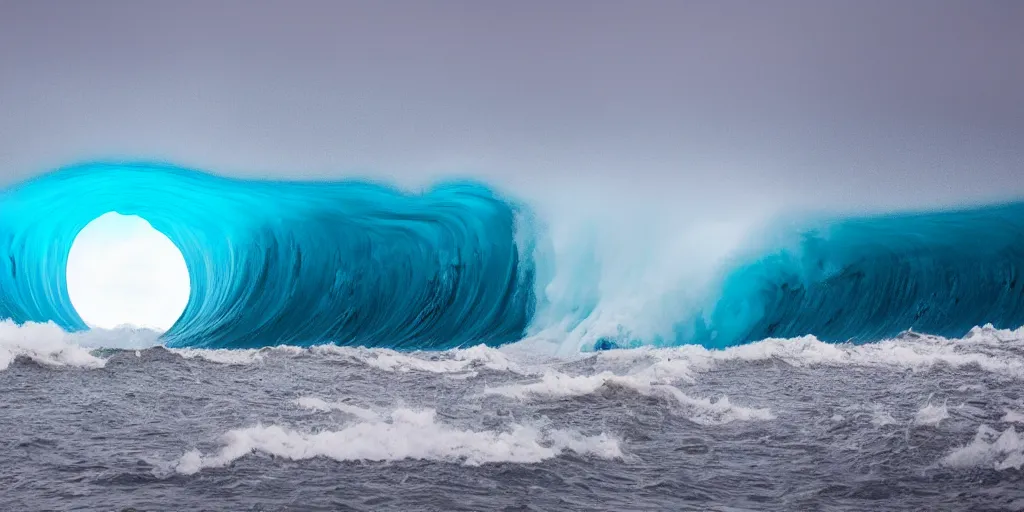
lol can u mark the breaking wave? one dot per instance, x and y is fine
(270, 263)
(355, 263)
(404, 434)
(869, 278)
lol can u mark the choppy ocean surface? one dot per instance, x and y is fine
(913, 423)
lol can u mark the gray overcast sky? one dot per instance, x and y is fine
(713, 103)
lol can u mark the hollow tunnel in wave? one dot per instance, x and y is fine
(122, 272)
(274, 262)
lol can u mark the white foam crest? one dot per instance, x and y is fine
(989, 335)
(653, 380)
(488, 357)
(919, 353)
(709, 412)
(447, 362)
(407, 434)
(456, 361)
(44, 343)
(557, 384)
(931, 415)
(1012, 417)
(319, 404)
(989, 448)
(222, 355)
(235, 356)
(392, 361)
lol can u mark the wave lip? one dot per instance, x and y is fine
(277, 262)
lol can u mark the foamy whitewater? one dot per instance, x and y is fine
(112, 420)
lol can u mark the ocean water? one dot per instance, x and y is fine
(353, 345)
(916, 422)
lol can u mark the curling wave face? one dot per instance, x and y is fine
(363, 264)
(296, 263)
(864, 279)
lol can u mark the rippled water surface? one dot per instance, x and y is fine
(909, 424)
